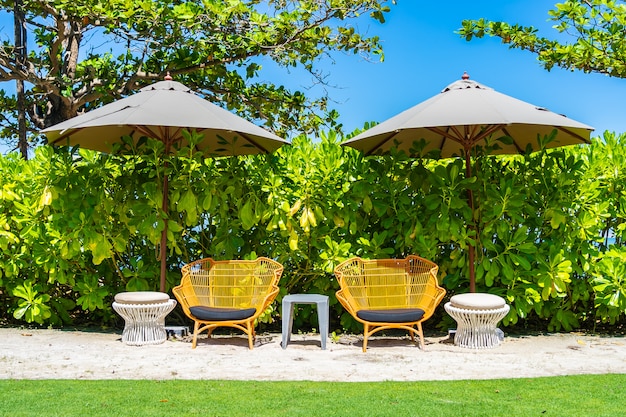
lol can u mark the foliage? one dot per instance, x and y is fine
(576, 261)
(76, 226)
(562, 396)
(84, 54)
(595, 27)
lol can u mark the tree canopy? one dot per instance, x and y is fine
(593, 36)
(83, 54)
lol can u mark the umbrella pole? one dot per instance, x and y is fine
(163, 253)
(470, 197)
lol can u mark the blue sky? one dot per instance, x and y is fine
(423, 55)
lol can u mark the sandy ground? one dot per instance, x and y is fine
(62, 354)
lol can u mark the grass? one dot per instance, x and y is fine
(580, 395)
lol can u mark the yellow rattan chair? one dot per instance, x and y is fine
(227, 293)
(389, 293)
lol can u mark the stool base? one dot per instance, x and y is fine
(476, 329)
(144, 323)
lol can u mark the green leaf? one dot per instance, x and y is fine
(21, 311)
(432, 201)
(246, 214)
(188, 201)
(367, 204)
(521, 261)
(100, 248)
(293, 241)
(528, 248)
(206, 202)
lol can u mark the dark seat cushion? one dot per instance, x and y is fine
(221, 314)
(399, 315)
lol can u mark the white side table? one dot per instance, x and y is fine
(322, 314)
(477, 315)
(144, 315)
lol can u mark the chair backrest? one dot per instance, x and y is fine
(388, 283)
(230, 284)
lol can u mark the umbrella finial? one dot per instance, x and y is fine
(168, 77)
(465, 76)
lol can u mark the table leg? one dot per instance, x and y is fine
(287, 322)
(322, 315)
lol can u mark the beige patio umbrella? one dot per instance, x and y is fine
(162, 111)
(464, 115)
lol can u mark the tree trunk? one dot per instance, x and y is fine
(20, 59)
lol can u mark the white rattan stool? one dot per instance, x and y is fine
(477, 315)
(144, 315)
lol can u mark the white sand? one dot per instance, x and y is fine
(59, 354)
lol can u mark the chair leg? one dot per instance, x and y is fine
(366, 330)
(251, 334)
(421, 334)
(195, 334)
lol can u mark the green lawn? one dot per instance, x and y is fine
(582, 395)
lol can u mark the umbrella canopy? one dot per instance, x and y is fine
(464, 115)
(162, 111)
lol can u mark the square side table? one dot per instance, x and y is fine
(322, 313)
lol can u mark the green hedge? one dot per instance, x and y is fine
(76, 226)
